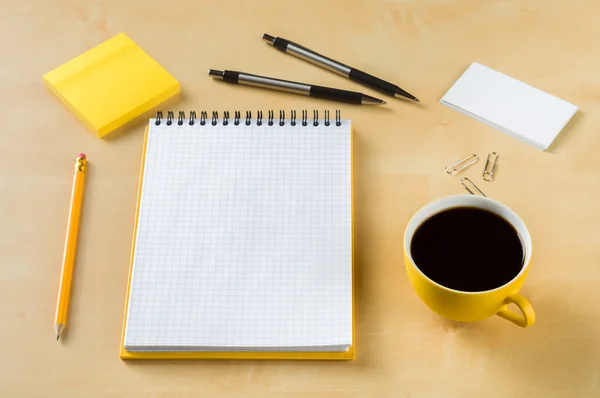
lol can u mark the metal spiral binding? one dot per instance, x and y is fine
(181, 119)
(225, 118)
(270, 123)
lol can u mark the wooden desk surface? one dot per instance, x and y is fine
(403, 349)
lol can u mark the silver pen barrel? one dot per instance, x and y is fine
(264, 82)
(318, 59)
(275, 84)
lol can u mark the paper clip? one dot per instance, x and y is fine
(488, 175)
(473, 190)
(457, 166)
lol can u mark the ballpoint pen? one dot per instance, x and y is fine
(329, 93)
(64, 290)
(351, 73)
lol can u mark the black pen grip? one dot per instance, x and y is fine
(280, 44)
(231, 76)
(336, 94)
(372, 81)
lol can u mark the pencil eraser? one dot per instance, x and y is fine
(81, 155)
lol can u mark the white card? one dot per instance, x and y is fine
(509, 105)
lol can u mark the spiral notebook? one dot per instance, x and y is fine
(243, 241)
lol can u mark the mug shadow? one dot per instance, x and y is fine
(557, 352)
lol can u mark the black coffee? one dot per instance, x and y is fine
(468, 249)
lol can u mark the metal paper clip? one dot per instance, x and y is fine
(457, 166)
(488, 175)
(472, 188)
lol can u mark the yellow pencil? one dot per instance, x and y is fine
(64, 290)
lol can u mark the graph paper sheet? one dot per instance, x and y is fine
(244, 239)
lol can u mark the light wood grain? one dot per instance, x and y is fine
(403, 350)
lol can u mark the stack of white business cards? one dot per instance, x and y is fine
(509, 105)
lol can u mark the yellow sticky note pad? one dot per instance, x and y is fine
(111, 84)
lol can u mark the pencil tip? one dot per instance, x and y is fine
(58, 328)
(417, 100)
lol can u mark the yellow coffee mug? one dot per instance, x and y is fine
(471, 306)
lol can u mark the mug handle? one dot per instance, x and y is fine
(528, 315)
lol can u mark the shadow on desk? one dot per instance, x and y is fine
(561, 351)
(142, 120)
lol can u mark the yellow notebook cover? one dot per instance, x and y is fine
(111, 84)
(264, 355)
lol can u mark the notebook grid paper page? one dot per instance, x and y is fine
(244, 239)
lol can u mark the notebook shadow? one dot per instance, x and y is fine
(360, 250)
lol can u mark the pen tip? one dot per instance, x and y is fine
(403, 94)
(268, 38)
(368, 100)
(216, 73)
